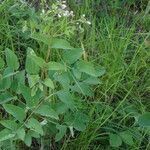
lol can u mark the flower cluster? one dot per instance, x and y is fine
(61, 9)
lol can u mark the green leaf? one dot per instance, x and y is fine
(38, 60)
(31, 66)
(6, 97)
(80, 121)
(21, 77)
(16, 111)
(115, 140)
(90, 69)
(60, 44)
(86, 67)
(71, 56)
(77, 73)
(34, 90)
(42, 38)
(53, 43)
(66, 98)
(6, 134)
(21, 133)
(46, 110)
(61, 107)
(7, 71)
(99, 71)
(92, 81)
(55, 66)
(26, 92)
(11, 59)
(10, 74)
(62, 131)
(33, 80)
(49, 83)
(34, 125)
(34, 134)
(63, 79)
(28, 139)
(82, 88)
(9, 124)
(41, 87)
(127, 137)
(2, 63)
(144, 119)
(5, 83)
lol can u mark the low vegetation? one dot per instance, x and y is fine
(75, 75)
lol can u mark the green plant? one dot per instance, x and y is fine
(45, 93)
(117, 108)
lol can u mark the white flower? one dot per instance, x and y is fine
(63, 2)
(71, 13)
(66, 13)
(88, 22)
(63, 6)
(43, 11)
(83, 15)
(59, 16)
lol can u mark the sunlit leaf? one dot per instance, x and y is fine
(49, 83)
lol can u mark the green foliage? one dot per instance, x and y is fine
(115, 140)
(11, 59)
(34, 125)
(62, 131)
(127, 137)
(39, 97)
(16, 111)
(55, 96)
(6, 134)
(144, 119)
(47, 111)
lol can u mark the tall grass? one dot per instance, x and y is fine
(118, 44)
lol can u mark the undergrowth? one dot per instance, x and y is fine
(75, 75)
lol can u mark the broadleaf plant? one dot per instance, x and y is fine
(45, 91)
